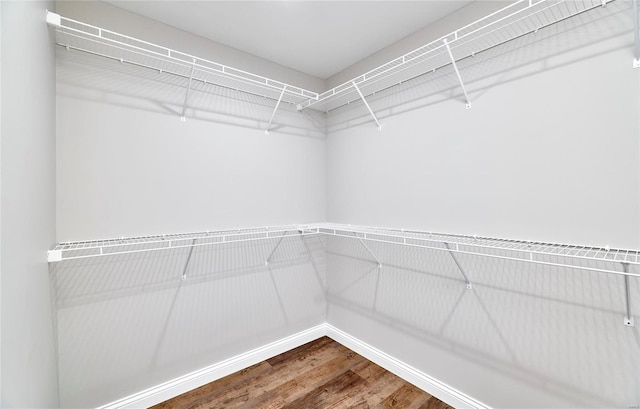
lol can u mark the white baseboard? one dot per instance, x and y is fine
(410, 374)
(178, 386)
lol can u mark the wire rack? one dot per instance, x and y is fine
(563, 255)
(517, 19)
(129, 245)
(76, 35)
(590, 258)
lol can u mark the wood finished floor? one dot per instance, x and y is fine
(320, 374)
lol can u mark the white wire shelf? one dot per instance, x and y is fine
(76, 35)
(603, 259)
(515, 20)
(564, 255)
(129, 245)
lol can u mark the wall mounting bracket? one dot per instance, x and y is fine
(367, 105)
(628, 319)
(455, 67)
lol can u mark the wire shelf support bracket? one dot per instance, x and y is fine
(457, 263)
(183, 117)
(186, 264)
(373, 256)
(455, 67)
(266, 131)
(268, 259)
(367, 105)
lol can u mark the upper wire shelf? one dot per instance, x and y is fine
(76, 35)
(513, 21)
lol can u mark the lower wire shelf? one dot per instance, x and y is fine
(619, 262)
(613, 261)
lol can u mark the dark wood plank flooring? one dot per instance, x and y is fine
(320, 374)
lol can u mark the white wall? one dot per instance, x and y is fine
(29, 373)
(128, 323)
(549, 151)
(525, 336)
(127, 166)
(444, 26)
(116, 19)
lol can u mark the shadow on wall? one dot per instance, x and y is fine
(557, 330)
(583, 37)
(129, 322)
(88, 77)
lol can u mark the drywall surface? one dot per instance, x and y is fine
(116, 19)
(128, 323)
(29, 372)
(465, 15)
(130, 172)
(548, 151)
(128, 166)
(524, 336)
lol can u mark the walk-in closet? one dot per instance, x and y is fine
(424, 204)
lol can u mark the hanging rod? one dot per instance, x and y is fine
(513, 21)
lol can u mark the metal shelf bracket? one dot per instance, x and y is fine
(368, 251)
(367, 105)
(186, 264)
(183, 118)
(54, 256)
(455, 260)
(266, 131)
(455, 67)
(628, 319)
(268, 260)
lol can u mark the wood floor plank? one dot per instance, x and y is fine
(379, 384)
(188, 399)
(309, 380)
(407, 397)
(322, 374)
(280, 373)
(434, 403)
(328, 394)
(302, 351)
